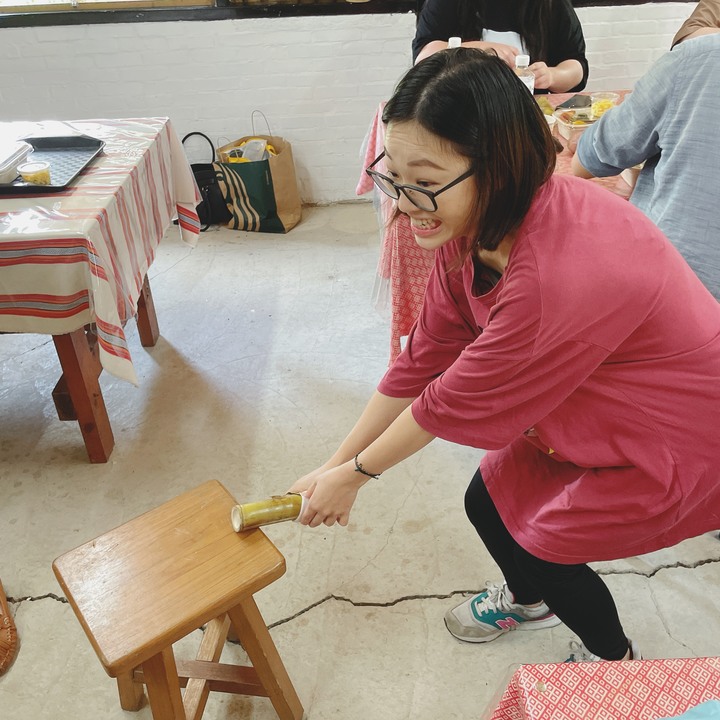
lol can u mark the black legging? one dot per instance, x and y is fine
(575, 593)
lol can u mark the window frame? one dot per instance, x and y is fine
(30, 7)
(91, 12)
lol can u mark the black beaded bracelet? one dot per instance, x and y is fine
(359, 468)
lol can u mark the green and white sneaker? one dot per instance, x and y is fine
(579, 653)
(493, 613)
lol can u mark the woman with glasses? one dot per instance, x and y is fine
(562, 333)
(549, 31)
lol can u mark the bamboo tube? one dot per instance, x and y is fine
(275, 509)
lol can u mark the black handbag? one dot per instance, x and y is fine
(212, 210)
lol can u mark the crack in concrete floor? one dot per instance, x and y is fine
(405, 598)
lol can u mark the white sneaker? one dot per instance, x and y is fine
(579, 653)
(492, 613)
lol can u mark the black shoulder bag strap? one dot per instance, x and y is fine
(212, 210)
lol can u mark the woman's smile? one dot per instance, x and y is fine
(417, 158)
(425, 227)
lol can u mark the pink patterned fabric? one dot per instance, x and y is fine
(402, 261)
(373, 147)
(408, 266)
(637, 689)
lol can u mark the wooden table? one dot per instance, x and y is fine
(73, 263)
(404, 267)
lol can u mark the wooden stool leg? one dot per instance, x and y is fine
(255, 638)
(232, 636)
(211, 647)
(81, 376)
(163, 686)
(132, 695)
(146, 317)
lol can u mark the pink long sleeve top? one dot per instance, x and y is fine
(590, 372)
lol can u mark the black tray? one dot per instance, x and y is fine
(67, 155)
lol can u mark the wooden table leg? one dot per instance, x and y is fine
(261, 650)
(146, 318)
(63, 403)
(163, 686)
(61, 394)
(79, 368)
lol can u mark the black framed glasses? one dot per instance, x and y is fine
(419, 197)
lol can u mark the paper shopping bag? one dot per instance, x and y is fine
(261, 195)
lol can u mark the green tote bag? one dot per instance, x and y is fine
(261, 196)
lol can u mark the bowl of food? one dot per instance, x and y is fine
(35, 173)
(601, 102)
(571, 125)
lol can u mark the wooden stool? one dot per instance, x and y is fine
(145, 585)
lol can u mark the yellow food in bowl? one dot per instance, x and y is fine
(600, 107)
(36, 173)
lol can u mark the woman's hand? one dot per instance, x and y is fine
(305, 484)
(544, 75)
(330, 495)
(559, 79)
(385, 434)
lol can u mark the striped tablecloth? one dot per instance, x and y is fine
(80, 255)
(403, 264)
(630, 690)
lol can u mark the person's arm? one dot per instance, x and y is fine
(628, 134)
(386, 431)
(563, 77)
(438, 21)
(579, 169)
(566, 43)
(430, 49)
(380, 412)
(332, 492)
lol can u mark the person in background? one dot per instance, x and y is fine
(702, 21)
(560, 331)
(549, 31)
(670, 123)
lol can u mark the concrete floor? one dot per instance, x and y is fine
(269, 349)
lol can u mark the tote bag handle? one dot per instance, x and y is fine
(202, 135)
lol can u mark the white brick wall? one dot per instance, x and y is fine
(623, 42)
(317, 79)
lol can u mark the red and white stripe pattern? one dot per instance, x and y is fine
(80, 255)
